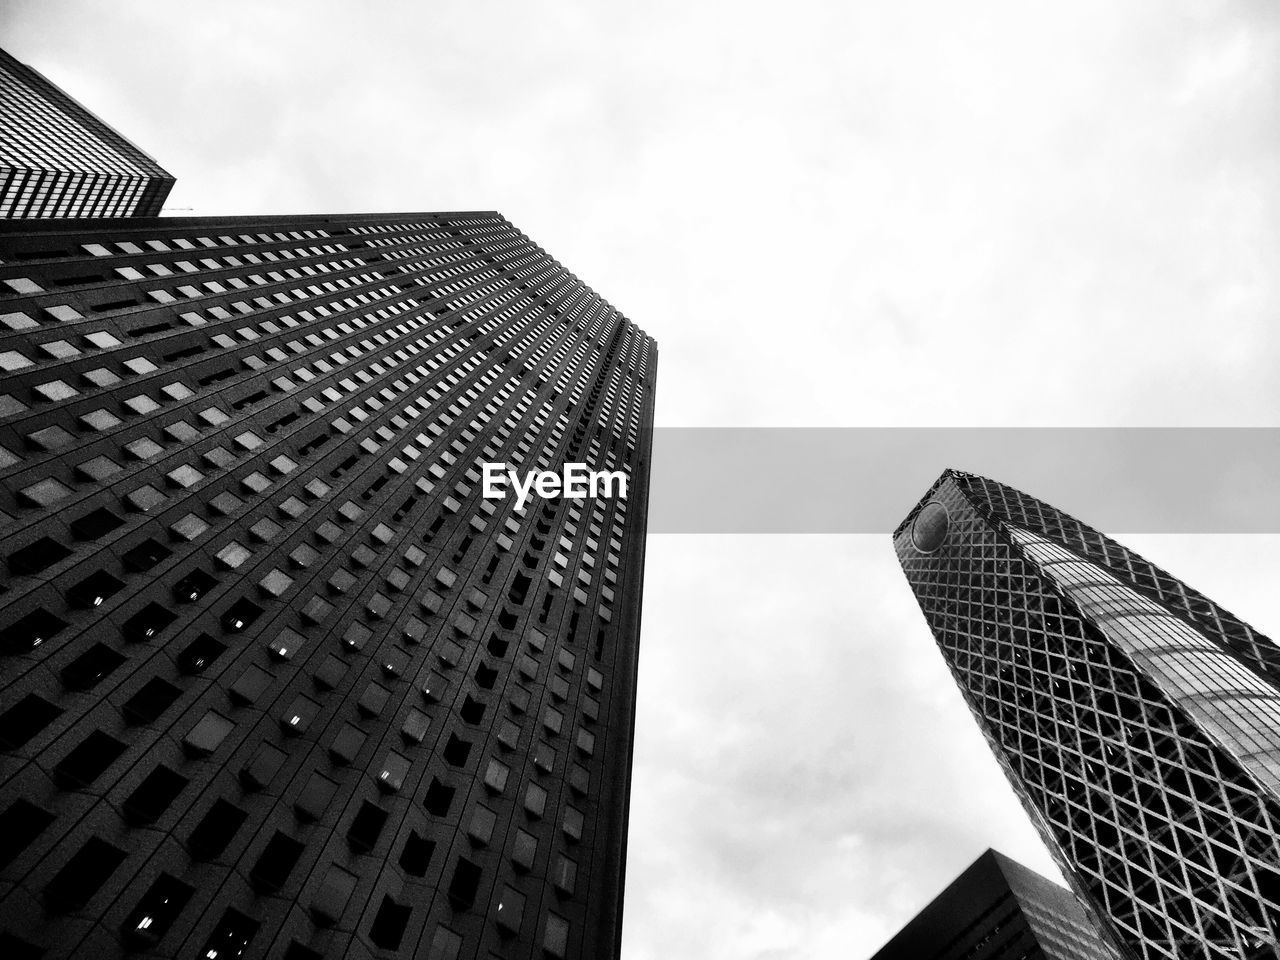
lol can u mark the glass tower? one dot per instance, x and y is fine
(1138, 722)
(277, 679)
(999, 910)
(59, 160)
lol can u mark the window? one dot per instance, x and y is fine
(145, 555)
(456, 751)
(189, 527)
(82, 875)
(416, 855)
(148, 922)
(544, 757)
(144, 448)
(37, 556)
(314, 797)
(44, 493)
(445, 945)
(216, 830)
(555, 939)
(331, 898)
(20, 824)
(472, 710)
(21, 722)
(86, 762)
(480, 830)
(145, 499)
(232, 555)
(564, 874)
(240, 615)
(276, 862)
(346, 745)
(194, 586)
(373, 699)
(147, 623)
(94, 589)
(258, 773)
(510, 913)
(464, 883)
(88, 669)
(298, 717)
(95, 524)
(152, 700)
(151, 798)
(230, 937)
(100, 420)
(47, 439)
(535, 800)
(388, 925)
(286, 644)
(207, 735)
(199, 654)
(438, 798)
(266, 530)
(572, 825)
(329, 674)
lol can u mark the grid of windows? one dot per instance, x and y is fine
(59, 160)
(278, 676)
(1134, 718)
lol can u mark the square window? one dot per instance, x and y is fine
(225, 503)
(218, 457)
(189, 527)
(140, 365)
(100, 419)
(11, 360)
(535, 800)
(145, 499)
(329, 674)
(56, 391)
(233, 555)
(44, 493)
(185, 476)
(98, 469)
(182, 432)
(57, 349)
(144, 448)
(50, 438)
(524, 850)
(141, 404)
(250, 685)
(314, 797)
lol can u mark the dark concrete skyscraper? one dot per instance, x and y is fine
(1138, 722)
(278, 678)
(59, 160)
(998, 910)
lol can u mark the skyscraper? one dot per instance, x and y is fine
(277, 677)
(1138, 722)
(59, 160)
(997, 909)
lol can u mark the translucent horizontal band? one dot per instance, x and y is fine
(865, 480)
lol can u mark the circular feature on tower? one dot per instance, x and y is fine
(929, 528)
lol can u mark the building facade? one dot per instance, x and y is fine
(1138, 722)
(997, 909)
(59, 160)
(277, 679)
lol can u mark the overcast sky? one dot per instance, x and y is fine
(881, 214)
